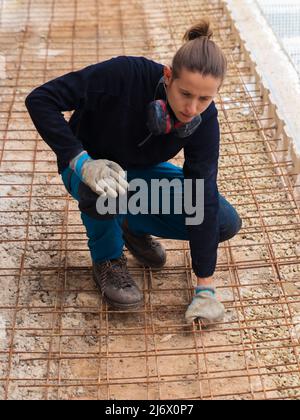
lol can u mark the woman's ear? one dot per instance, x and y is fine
(167, 75)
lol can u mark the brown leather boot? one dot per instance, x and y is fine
(116, 285)
(144, 248)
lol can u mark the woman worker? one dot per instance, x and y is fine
(133, 114)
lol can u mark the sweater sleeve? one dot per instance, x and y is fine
(47, 103)
(201, 162)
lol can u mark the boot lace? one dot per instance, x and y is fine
(120, 275)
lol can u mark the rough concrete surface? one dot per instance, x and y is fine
(57, 339)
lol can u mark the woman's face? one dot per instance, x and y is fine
(190, 94)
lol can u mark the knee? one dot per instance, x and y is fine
(87, 203)
(233, 226)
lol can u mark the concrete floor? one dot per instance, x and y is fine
(58, 340)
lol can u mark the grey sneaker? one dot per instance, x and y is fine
(144, 248)
(116, 284)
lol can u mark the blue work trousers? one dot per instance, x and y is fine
(105, 236)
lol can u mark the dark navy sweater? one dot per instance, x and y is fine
(109, 101)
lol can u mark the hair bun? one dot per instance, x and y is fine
(200, 29)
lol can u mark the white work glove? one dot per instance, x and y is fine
(104, 177)
(205, 306)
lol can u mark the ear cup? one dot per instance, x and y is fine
(159, 120)
(186, 130)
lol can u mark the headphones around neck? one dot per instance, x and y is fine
(161, 119)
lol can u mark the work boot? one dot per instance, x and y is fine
(116, 285)
(144, 248)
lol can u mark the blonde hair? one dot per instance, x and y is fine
(200, 53)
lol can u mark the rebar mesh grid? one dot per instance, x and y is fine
(57, 339)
